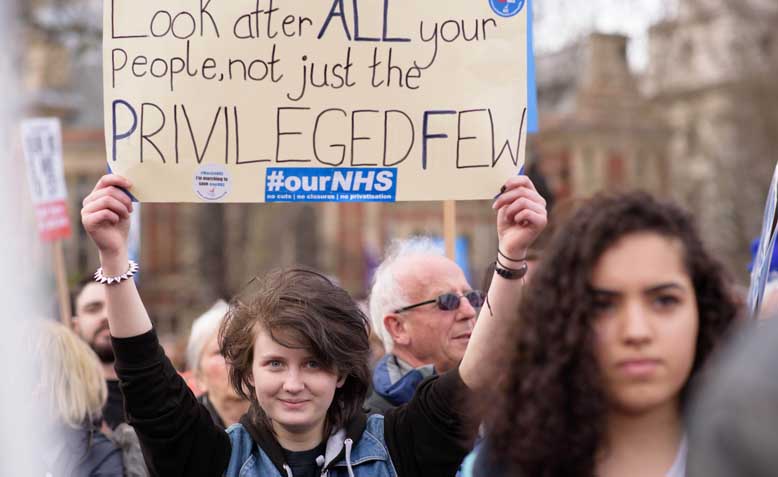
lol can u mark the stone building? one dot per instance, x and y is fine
(597, 131)
(711, 77)
(699, 126)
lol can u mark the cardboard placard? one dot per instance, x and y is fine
(361, 100)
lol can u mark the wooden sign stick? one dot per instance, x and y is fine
(62, 284)
(450, 227)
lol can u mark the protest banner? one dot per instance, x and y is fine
(42, 146)
(361, 100)
(764, 257)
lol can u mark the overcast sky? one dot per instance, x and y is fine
(559, 22)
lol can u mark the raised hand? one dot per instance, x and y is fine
(521, 216)
(106, 215)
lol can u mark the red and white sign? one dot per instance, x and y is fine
(42, 145)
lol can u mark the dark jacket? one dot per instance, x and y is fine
(394, 384)
(217, 419)
(84, 452)
(427, 437)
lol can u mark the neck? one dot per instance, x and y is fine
(406, 355)
(230, 408)
(109, 372)
(647, 441)
(296, 440)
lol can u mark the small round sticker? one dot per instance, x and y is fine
(212, 182)
(507, 8)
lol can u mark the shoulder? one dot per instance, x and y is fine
(239, 437)
(375, 425)
(241, 455)
(375, 403)
(103, 457)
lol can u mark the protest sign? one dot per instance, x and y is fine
(764, 257)
(361, 100)
(42, 146)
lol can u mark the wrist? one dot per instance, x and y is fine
(510, 256)
(114, 263)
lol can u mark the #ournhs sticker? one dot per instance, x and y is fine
(322, 184)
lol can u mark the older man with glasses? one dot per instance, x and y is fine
(423, 309)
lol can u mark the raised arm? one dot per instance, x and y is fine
(177, 434)
(106, 218)
(521, 216)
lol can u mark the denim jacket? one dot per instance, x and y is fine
(368, 457)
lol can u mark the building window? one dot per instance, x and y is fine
(687, 52)
(616, 172)
(766, 44)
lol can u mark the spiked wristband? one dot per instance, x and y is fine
(100, 278)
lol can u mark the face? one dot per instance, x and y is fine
(432, 335)
(212, 375)
(291, 386)
(646, 322)
(91, 321)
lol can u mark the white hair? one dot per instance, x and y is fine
(387, 295)
(203, 329)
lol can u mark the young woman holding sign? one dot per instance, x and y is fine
(622, 313)
(298, 348)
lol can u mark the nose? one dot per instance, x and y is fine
(293, 382)
(637, 329)
(466, 311)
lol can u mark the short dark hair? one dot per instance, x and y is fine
(546, 416)
(76, 290)
(300, 308)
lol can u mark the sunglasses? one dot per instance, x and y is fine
(450, 301)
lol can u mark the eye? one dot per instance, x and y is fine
(312, 364)
(666, 301)
(603, 304)
(274, 364)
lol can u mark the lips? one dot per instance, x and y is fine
(639, 367)
(463, 336)
(293, 404)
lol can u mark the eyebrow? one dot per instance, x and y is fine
(654, 289)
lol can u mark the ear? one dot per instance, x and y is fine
(397, 329)
(74, 323)
(341, 382)
(201, 384)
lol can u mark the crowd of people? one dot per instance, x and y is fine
(613, 357)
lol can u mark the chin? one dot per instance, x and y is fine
(295, 423)
(642, 401)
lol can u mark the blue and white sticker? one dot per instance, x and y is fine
(507, 8)
(212, 182)
(326, 184)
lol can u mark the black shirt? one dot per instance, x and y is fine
(303, 463)
(113, 411)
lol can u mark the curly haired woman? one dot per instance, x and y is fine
(620, 316)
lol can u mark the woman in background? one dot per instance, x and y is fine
(72, 392)
(622, 313)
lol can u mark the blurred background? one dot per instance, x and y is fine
(677, 97)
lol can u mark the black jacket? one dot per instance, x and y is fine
(428, 437)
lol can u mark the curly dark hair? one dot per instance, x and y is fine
(546, 417)
(299, 308)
